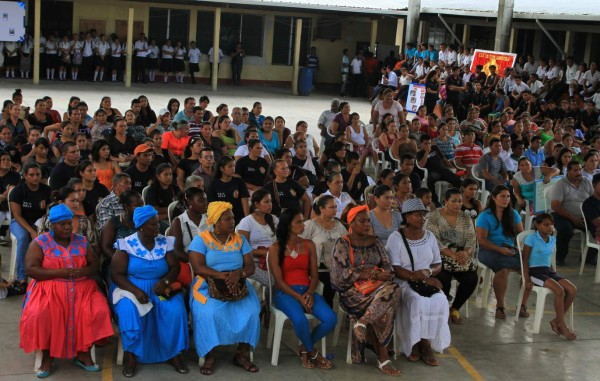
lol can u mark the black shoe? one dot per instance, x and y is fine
(560, 262)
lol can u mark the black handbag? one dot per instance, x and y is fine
(217, 288)
(420, 287)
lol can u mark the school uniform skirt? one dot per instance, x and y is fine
(179, 65)
(166, 65)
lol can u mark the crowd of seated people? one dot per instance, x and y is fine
(229, 199)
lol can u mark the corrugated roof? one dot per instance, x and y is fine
(393, 7)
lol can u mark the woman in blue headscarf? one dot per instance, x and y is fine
(150, 310)
(64, 312)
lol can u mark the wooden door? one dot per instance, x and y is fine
(86, 24)
(121, 29)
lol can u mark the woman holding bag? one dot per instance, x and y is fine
(360, 258)
(422, 321)
(224, 307)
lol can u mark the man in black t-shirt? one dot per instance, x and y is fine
(141, 172)
(313, 169)
(354, 176)
(65, 170)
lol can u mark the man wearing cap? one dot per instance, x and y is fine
(65, 170)
(141, 172)
(111, 205)
(188, 110)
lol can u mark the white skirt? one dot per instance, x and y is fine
(419, 318)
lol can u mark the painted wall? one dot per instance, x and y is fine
(354, 29)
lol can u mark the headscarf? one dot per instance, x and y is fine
(59, 213)
(142, 214)
(354, 211)
(215, 210)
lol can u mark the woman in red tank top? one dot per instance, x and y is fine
(293, 264)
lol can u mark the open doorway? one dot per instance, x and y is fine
(57, 17)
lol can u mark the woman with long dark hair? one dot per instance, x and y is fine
(285, 192)
(293, 264)
(259, 229)
(497, 228)
(190, 161)
(147, 115)
(226, 187)
(94, 190)
(227, 134)
(173, 107)
(106, 167)
(268, 136)
(106, 105)
(432, 88)
(161, 193)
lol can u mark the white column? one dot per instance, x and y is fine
(297, 44)
(129, 58)
(412, 21)
(216, 39)
(373, 39)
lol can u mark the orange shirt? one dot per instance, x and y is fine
(174, 144)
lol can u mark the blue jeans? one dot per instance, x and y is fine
(295, 312)
(23, 241)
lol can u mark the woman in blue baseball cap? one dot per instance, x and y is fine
(145, 296)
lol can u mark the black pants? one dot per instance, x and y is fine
(210, 71)
(236, 73)
(139, 73)
(357, 85)
(467, 282)
(443, 175)
(328, 292)
(87, 68)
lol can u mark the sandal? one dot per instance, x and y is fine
(320, 361)
(523, 311)
(567, 333)
(243, 361)
(428, 357)
(305, 360)
(207, 368)
(129, 368)
(554, 327)
(500, 314)
(388, 368)
(360, 331)
(179, 366)
(415, 354)
(455, 316)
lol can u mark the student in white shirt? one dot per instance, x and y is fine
(179, 62)
(87, 52)
(51, 57)
(116, 51)
(166, 65)
(102, 50)
(25, 49)
(194, 56)
(140, 52)
(152, 60)
(210, 59)
(64, 53)
(76, 56)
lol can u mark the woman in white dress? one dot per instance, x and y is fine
(324, 230)
(421, 322)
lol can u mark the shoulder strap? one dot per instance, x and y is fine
(350, 249)
(189, 230)
(412, 261)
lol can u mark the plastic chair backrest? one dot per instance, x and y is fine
(521, 245)
(170, 211)
(144, 193)
(588, 235)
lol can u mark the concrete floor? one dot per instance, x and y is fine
(482, 349)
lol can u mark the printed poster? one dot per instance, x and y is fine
(416, 97)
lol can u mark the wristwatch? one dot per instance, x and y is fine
(430, 272)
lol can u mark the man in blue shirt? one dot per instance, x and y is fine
(534, 153)
(433, 54)
(410, 53)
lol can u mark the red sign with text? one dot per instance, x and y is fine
(487, 58)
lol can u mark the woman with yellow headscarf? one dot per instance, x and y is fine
(224, 306)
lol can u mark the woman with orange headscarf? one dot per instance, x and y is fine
(362, 275)
(224, 306)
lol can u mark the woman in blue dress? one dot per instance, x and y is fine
(223, 255)
(151, 315)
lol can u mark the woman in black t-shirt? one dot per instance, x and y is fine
(225, 187)
(94, 190)
(161, 193)
(252, 168)
(190, 161)
(286, 193)
(121, 145)
(28, 202)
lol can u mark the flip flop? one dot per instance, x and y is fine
(44, 373)
(455, 317)
(87, 368)
(567, 334)
(500, 314)
(554, 327)
(244, 362)
(390, 371)
(208, 366)
(523, 311)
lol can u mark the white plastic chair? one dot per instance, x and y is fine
(453, 287)
(13, 248)
(484, 192)
(170, 211)
(145, 193)
(589, 242)
(380, 154)
(487, 274)
(541, 292)
(276, 327)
